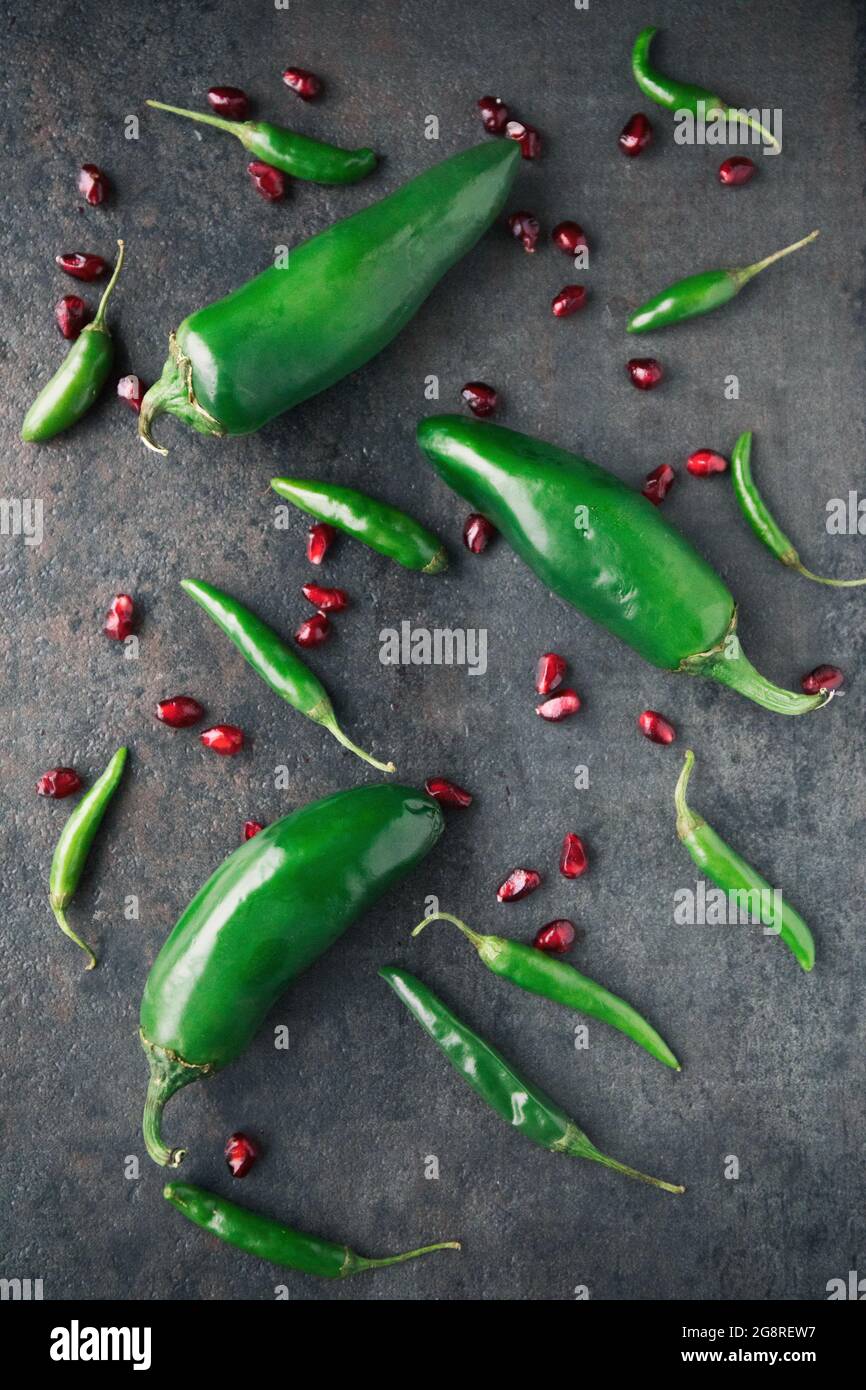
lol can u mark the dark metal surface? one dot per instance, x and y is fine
(773, 1058)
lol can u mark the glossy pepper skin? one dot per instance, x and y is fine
(377, 524)
(295, 330)
(270, 909)
(604, 548)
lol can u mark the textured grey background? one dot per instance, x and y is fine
(773, 1059)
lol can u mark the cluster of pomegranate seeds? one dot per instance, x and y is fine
(58, 782)
(241, 1153)
(251, 828)
(559, 706)
(525, 228)
(326, 600)
(119, 618)
(526, 136)
(131, 389)
(447, 792)
(549, 672)
(556, 937)
(644, 372)
(92, 184)
(568, 301)
(703, 463)
(655, 727)
(494, 115)
(822, 678)
(225, 739)
(481, 398)
(573, 858)
(72, 313)
(229, 102)
(270, 182)
(179, 711)
(569, 237)
(736, 171)
(519, 883)
(477, 533)
(636, 135)
(319, 539)
(313, 631)
(658, 484)
(307, 85)
(81, 265)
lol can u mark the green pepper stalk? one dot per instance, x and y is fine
(73, 847)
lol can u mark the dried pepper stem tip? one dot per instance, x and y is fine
(67, 930)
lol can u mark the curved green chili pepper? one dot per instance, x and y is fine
(605, 549)
(764, 525)
(729, 871)
(699, 294)
(284, 149)
(74, 844)
(684, 96)
(271, 908)
(382, 527)
(274, 661)
(76, 384)
(543, 974)
(523, 1105)
(270, 1240)
(338, 300)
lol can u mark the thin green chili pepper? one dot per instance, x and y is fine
(523, 1105)
(730, 872)
(684, 96)
(699, 294)
(335, 302)
(274, 661)
(765, 527)
(276, 904)
(542, 974)
(269, 1240)
(284, 149)
(382, 527)
(74, 844)
(78, 381)
(605, 549)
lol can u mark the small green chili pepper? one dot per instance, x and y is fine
(764, 525)
(284, 149)
(275, 662)
(699, 294)
(684, 96)
(730, 872)
(76, 384)
(523, 1105)
(382, 527)
(280, 1245)
(542, 974)
(74, 844)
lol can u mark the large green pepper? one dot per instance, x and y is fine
(606, 549)
(272, 908)
(342, 296)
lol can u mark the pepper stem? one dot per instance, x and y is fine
(743, 118)
(687, 821)
(151, 408)
(473, 936)
(151, 1125)
(330, 723)
(576, 1144)
(233, 127)
(819, 579)
(633, 1172)
(747, 273)
(730, 666)
(67, 931)
(99, 320)
(364, 1263)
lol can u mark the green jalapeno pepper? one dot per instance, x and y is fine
(382, 527)
(73, 847)
(272, 908)
(605, 549)
(729, 871)
(269, 1240)
(528, 1109)
(340, 299)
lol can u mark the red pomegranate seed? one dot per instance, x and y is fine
(569, 237)
(636, 135)
(225, 739)
(447, 792)
(703, 463)
(559, 706)
(525, 229)
(72, 313)
(481, 398)
(326, 600)
(573, 859)
(658, 484)
(477, 533)
(179, 711)
(319, 539)
(557, 936)
(313, 631)
(549, 672)
(131, 389)
(251, 828)
(270, 182)
(519, 883)
(822, 678)
(81, 265)
(307, 85)
(527, 137)
(229, 102)
(494, 114)
(59, 782)
(736, 171)
(92, 184)
(119, 618)
(568, 301)
(241, 1153)
(655, 727)
(645, 372)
